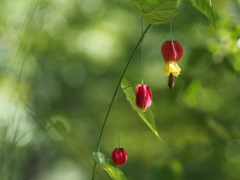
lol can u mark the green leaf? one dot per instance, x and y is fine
(113, 171)
(148, 115)
(206, 8)
(155, 11)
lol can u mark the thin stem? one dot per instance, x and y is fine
(171, 31)
(114, 96)
(119, 144)
(142, 26)
(118, 123)
(142, 63)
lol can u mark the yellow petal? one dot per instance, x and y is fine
(171, 67)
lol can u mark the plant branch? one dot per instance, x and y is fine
(115, 94)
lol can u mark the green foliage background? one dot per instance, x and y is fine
(60, 62)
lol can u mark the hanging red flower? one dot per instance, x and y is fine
(119, 156)
(172, 52)
(143, 97)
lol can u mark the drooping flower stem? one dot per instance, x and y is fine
(118, 119)
(142, 64)
(171, 36)
(115, 94)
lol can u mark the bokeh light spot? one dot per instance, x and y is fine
(93, 9)
(238, 42)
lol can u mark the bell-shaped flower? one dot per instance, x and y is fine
(172, 52)
(143, 97)
(119, 156)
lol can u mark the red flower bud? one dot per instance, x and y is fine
(143, 97)
(172, 51)
(119, 156)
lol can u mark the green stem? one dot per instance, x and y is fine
(114, 96)
(171, 31)
(142, 65)
(119, 145)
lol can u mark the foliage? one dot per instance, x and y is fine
(156, 11)
(147, 116)
(206, 8)
(108, 166)
(60, 62)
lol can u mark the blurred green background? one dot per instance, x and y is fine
(60, 62)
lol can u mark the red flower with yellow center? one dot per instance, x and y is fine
(172, 52)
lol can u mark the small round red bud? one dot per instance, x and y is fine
(119, 156)
(172, 51)
(143, 96)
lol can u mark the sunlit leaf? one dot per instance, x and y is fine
(155, 11)
(148, 115)
(113, 171)
(206, 8)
